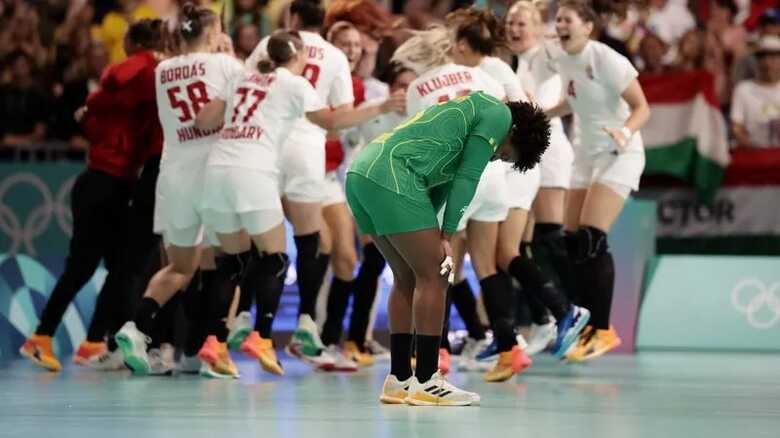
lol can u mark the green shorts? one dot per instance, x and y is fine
(379, 211)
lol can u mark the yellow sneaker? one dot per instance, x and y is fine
(511, 362)
(39, 350)
(262, 350)
(216, 355)
(602, 342)
(352, 352)
(577, 351)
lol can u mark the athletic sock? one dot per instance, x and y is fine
(427, 356)
(338, 300)
(265, 278)
(228, 274)
(466, 305)
(525, 271)
(599, 276)
(144, 315)
(401, 355)
(310, 273)
(365, 288)
(497, 293)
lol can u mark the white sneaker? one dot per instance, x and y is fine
(394, 391)
(108, 361)
(541, 337)
(340, 361)
(132, 343)
(161, 360)
(378, 351)
(468, 357)
(189, 364)
(437, 391)
(307, 346)
(240, 328)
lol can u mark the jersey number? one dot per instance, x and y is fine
(461, 93)
(311, 72)
(197, 97)
(258, 96)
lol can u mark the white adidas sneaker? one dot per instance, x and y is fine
(437, 391)
(394, 391)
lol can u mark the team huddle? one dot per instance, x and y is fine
(459, 154)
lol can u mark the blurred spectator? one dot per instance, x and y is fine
(114, 26)
(20, 33)
(23, 106)
(652, 50)
(755, 111)
(700, 50)
(72, 41)
(249, 12)
(747, 67)
(247, 37)
(722, 24)
(669, 21)
(85, 80)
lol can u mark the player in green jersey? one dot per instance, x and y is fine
(395, 187)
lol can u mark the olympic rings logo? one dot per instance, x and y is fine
(758, 302)
(23, 232)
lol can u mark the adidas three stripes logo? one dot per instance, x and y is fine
(437, 391)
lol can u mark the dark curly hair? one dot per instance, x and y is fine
(529, 134)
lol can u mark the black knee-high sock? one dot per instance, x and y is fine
(165, 322)
(265, 278)
(365, 288)
(599, 279)
(537, 310)
(338, 300)
(310, 273)
(525, 270)
(227, 277)
(401, 355)
(466, 305)
(145, 314)
(552, 257)
(445, 330)
(427, 356)
(497, 293)
(195, 309)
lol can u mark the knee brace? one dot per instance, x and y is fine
(586, 243)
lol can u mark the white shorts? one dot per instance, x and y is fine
(302, 167)
(490, 202)
(333, 190)
(177, 214)
(522, 187)
(235, 198)
(557, 162)
(622, 169)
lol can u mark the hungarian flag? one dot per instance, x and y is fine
(686, 135)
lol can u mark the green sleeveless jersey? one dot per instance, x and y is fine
(439, 153)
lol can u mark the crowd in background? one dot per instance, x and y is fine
(52, 52)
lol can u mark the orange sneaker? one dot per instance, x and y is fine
(39, 350)
(511, 362)
(215, 355)
(87, 350)
(444, 361)
(601, 342)
(262, 350)
(353, 353)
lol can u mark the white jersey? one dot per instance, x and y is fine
(593, 82)
(447, 82)
(757, 107)
(184, 85)
(327, 69)
(536, 69)
(260, 111)
(502, 73)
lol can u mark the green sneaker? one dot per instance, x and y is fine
(307, 346)
(240, 328)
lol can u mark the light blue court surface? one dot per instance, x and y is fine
(649, 395)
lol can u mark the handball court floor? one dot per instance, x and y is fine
(652, 394)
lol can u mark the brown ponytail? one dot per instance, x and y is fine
(282, 48)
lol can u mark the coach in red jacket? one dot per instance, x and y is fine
(121, 122)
